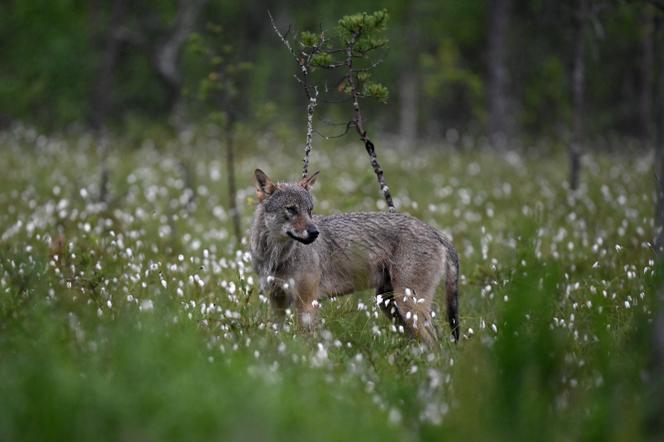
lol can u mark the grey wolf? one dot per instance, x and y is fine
(300, 257)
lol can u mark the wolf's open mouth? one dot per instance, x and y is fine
(307, 240)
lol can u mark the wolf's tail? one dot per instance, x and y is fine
(451, 285)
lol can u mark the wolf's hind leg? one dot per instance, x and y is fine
(385, 299)
(389, 307)
(415, 317)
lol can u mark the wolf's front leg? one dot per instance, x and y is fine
(306, 297)
(279, 302)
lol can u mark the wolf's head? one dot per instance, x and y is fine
(287, 207)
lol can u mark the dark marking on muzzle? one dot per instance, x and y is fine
(312, 234)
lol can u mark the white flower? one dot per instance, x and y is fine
(146, 305)
(394, 416)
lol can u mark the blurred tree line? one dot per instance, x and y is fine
(565, 69)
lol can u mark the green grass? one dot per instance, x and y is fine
(149, 325)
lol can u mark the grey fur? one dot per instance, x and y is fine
(399, 256)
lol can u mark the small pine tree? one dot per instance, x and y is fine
(351, 50)
(221, 86)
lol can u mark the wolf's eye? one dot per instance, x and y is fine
(291, 210)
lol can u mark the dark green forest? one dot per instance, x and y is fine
(529, 132)
(511, 69)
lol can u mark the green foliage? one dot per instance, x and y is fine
(546, 95)
(362, 34)
(48, 61)
(377, 91)
(52, 53)
(321, 60)
(217, 75)
(449, 86)
(152, 380)
(364, 23)
(349, 48)
(364, 30)
(309, 38)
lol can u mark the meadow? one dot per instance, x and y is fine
(140, 318)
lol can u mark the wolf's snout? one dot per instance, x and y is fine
(313, 232)
(305, 236)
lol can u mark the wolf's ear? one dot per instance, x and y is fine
(309, 181)
(264, 185)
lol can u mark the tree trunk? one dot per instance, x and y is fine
(110, 52)
(104, 172)
(658, 80)
(408, 81)
(408, 110)
(659, 142)
(109, 47)
(646, 84)
(578, 93)
(232, 184)
(498, 101)
(167, 56)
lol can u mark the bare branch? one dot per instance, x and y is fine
(311, 107)
(304, 62)
(333, 124)
(343, 134)
(368, 68)
(336, 101)
(281, 36)
(362, 53)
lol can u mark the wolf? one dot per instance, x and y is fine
(300, 257)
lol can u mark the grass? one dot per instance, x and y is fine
(149, 326)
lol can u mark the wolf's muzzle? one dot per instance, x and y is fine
(312, 234)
